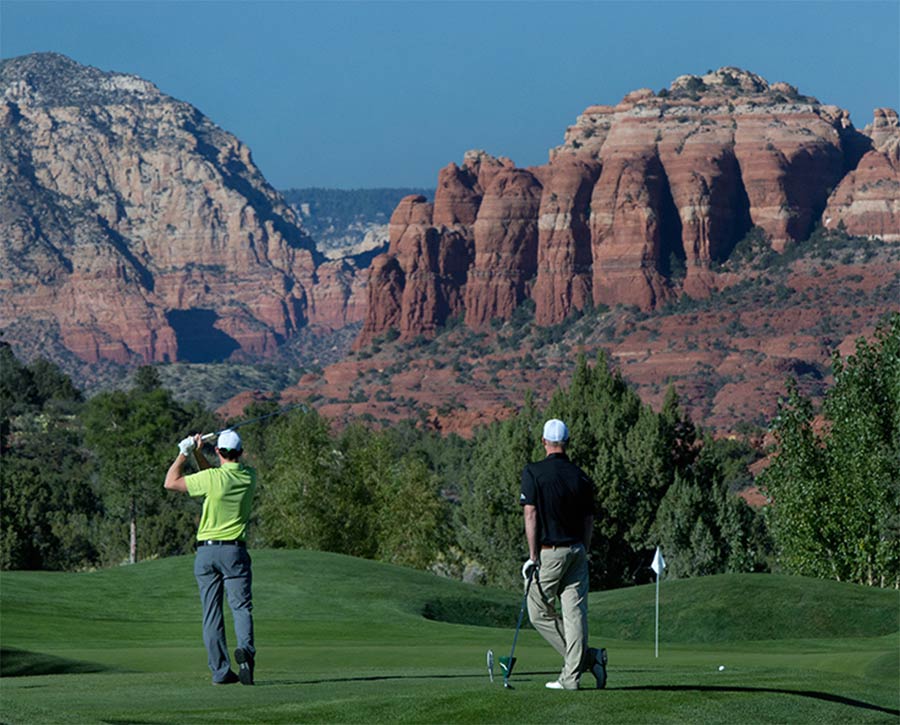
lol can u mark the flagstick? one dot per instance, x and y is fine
(657, 615)
(658, 565)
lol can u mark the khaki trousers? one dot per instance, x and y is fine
(563, 574)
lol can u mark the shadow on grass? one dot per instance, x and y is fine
(498, 679)
(824, 696)
(22, 663)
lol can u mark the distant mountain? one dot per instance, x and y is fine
(347, 222)
(134, 229)
(643, 202)
(701, 235)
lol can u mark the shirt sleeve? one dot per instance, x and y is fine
(590, 494)
(198, 483)
(528, 492)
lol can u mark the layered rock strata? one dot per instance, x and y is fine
(141, 229)
(867, 201)
(640, 203)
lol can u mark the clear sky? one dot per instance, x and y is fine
(365, 94)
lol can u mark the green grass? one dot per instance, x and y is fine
(346, 640)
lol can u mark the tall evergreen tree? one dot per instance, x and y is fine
(490, 525)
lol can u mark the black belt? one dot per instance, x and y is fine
(217, 542)
(560, 546)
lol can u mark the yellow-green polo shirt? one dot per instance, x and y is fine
(228, 492)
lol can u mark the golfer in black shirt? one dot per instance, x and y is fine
(558, 501)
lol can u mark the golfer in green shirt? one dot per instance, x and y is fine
(222, 563)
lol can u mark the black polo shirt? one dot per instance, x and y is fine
(563, 495)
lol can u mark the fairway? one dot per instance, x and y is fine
(347, 640)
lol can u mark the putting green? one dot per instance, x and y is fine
(347, 640)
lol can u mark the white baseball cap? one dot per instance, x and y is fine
(555, 431)
(229, 440)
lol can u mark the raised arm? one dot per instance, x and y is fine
(175, 475)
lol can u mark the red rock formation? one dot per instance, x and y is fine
(506, 237)
(386, 282)
(140, 230)
(867, 201)
(415, 243)
(564, 279)
(339, 295)
(626, 214)
(789, 158)
(683, 176)
(457, 197)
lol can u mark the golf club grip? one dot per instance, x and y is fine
(208, 436)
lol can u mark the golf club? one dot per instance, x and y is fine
(507, 663)
(282, 411)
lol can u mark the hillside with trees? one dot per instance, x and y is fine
(82, 480)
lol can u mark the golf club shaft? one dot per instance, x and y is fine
(210, 436)
(519, 625)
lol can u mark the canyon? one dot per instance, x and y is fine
(716, 235)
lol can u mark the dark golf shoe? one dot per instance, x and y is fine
(245, 660)
(229, 679)
(598, 668)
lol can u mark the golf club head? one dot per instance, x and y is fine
(506, 666)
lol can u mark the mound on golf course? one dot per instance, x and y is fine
(347, 640)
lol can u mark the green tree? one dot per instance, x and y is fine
(704, 528)
(836, 498)
(315, 492)
(413, 518)
(48, 509)
(490, 526)
(133, 436)
(650, 474)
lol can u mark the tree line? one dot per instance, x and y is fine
(82, 479)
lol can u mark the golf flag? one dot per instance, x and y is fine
(658, 565)
(658, 562)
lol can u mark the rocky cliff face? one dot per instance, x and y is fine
(640, 203)
(136, 230)
(142, 230)
(867, 201)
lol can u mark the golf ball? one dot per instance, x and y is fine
(721, 667)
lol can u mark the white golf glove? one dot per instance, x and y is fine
(528, 568)
(186, 446)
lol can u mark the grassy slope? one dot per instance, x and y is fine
(343, 640)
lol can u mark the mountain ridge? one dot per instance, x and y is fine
(641, 203)
(142, 230)
(134, 230)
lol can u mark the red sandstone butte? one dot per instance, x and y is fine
(867, 201)
(641, 203)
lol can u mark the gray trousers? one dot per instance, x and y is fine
(563, 574)
(217, 569)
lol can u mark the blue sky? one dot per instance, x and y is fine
(365, 94)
